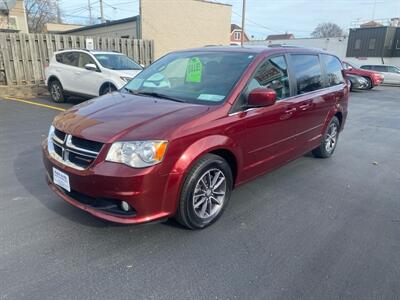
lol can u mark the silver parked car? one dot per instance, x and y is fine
(392, 73)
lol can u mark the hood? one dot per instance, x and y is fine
(127, 73)
(120, 116)
(361, 72)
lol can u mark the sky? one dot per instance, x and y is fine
(263, 17)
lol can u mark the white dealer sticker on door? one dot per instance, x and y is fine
(61, 179)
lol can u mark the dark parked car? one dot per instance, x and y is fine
(357, 82)
(195, 124)
(373, 78)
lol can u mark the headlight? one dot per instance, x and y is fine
(139, 154)
(126, 79)
(51, 132)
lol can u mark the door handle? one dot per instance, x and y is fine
(305, 106)
(290, 110)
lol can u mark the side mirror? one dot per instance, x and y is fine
(261, 97)
(143, 66)
(91, 67)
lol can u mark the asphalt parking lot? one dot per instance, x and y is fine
(314, 229)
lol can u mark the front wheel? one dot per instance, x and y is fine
(57, 92)
(370, 85)
(329, 141)
(205, 193)
(106, 89)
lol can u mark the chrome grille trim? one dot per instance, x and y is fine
(67, 147)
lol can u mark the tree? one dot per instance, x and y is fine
(327, 30)
(40, 12)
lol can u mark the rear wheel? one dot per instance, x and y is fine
(329, 141)
(107, 88)
(205, 193)
(57, 91)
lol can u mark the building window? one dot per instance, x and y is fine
(357, 44)
(371, 45)
(398, 44)
(237, 35)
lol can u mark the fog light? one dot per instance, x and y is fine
(125, 206)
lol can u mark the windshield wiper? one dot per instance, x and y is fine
(154, 94)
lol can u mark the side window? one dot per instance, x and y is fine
(392, 69)
(333, 70)
(357, 44)
(366, 67)
(307, 70)
(59, 58)
(371, 45)
(70, 58)
(85, 59)
(273, 74)
(380, 68)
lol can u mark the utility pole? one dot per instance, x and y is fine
(101, 11)
(90, 13)
(243, 22)
(58, 12)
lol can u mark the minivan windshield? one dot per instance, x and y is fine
(201, 77)
(117, 62)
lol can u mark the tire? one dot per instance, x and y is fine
(370, 85)
(107, 88)
(202, 201)
(329, 141)
(57, 92)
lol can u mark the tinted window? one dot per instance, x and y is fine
(333, 70)
(85, 59)
(68, 58)
(272, 74)
(366, 67)
(307, 72)
(117, 62)
(380, 68)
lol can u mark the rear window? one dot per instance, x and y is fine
(68, 58)
(308, 74)
(333, 70)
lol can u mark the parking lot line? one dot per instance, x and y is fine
(34, 103)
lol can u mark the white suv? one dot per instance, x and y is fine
(88, 73)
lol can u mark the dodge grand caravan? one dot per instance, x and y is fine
(183, 133)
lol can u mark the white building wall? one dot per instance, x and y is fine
(337, 46)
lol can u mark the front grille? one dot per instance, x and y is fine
(73, 151)
(59, 134)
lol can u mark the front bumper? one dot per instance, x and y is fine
(145, 190)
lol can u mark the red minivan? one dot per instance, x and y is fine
(183, 133)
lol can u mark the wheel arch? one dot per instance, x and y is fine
(53, 78)
(106, 83)
(215, 144)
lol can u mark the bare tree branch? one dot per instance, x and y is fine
(40, 12)
(326, 30)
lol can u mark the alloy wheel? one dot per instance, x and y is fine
(331, 138)
(209, 194)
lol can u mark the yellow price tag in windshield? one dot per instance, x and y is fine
(194, 70)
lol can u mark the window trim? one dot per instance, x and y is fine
(239, 34)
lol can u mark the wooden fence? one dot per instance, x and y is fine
(23, 57)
